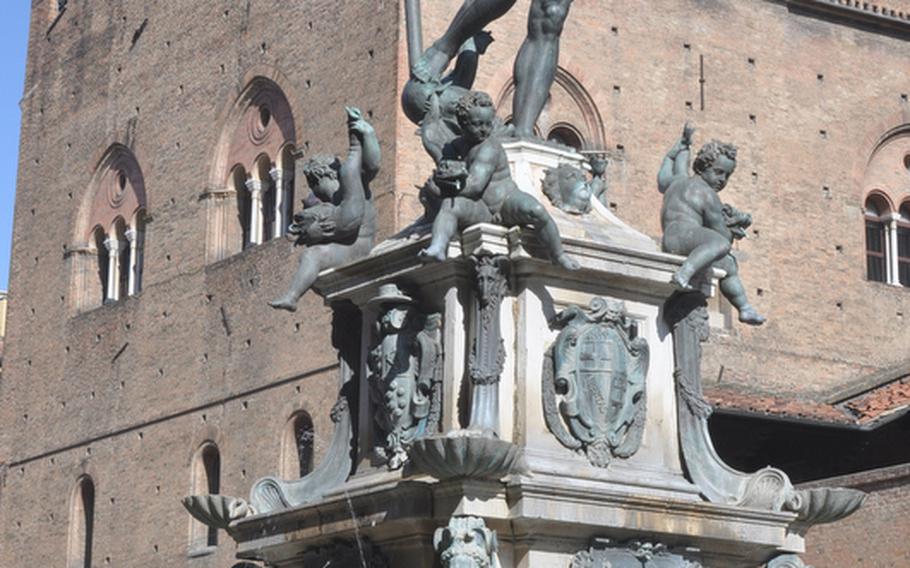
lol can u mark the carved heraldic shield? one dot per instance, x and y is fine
(594, 382)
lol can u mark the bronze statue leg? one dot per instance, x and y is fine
(523, 209)
(471, 19)
(702, 246)
(732, 288)
(535, 66)
(454, 213)
(313, 260)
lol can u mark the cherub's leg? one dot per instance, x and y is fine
(704, 247)
(444, 227)
(453, 212)
(471, 18)
(732, 288)
(312, 260)
(523, 209)
(535, 65)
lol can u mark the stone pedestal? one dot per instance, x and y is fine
(560, 506)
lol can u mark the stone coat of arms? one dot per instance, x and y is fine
(594, 375)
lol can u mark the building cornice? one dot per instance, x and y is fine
(861, 12)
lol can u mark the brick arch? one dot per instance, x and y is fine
(241, 135)
(877, 137)
(570, 80)
(117, 189)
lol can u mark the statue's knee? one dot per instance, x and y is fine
(536, 213)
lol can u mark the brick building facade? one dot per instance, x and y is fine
(156, 173)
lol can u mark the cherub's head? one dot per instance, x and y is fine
(567, 189)
(321, 173)
(476, 116)
(715, 163)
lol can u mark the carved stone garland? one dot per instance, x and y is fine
(488, 353)
(594, 394)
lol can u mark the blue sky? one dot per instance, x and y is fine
(13, 47)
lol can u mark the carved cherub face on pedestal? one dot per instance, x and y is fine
(567, 189)
(715, 163)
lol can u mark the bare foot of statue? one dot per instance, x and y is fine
(681, 282)
(567, 262)
(748, 315)
(425, 68)
(284, 303)
(431, 254)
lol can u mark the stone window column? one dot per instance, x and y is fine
(891, 250)
(281, 220)
(134, 238)
(255, 188)
(114, 248)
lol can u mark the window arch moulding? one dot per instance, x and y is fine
(258, 138)
(885, 180)
(109, 230)
(570, 106)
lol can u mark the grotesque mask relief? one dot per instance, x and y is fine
(603, 554)
(405, 379)
(594, 382)
(568, 188)
(466, 543)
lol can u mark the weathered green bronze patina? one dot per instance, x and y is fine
(697, 224)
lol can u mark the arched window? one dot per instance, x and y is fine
(297, 446)
(876, 213)
(257, 142)
(567, 136)
(112, 229)
(81, 524)
(206, 481)
(903, 245)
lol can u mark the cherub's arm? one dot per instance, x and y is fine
(713, 212)
(349, 214)
(468, 56)
(676, 161)
(480, 171)
(372, 156)
(433, 130)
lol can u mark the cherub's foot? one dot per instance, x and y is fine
(681, 282)
(567, 262)
(431, 255)
(748, 315)
(284, 303)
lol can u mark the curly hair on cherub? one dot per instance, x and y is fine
(471, 101)
(710, 152)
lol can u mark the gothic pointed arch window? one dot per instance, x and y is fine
(206, 480)
(252, 196)
(297, 446)
(877, 212)
(106, 260)
(81, 524)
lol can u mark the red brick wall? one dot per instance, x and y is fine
(876, 536)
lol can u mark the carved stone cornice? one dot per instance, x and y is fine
(862, 12)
